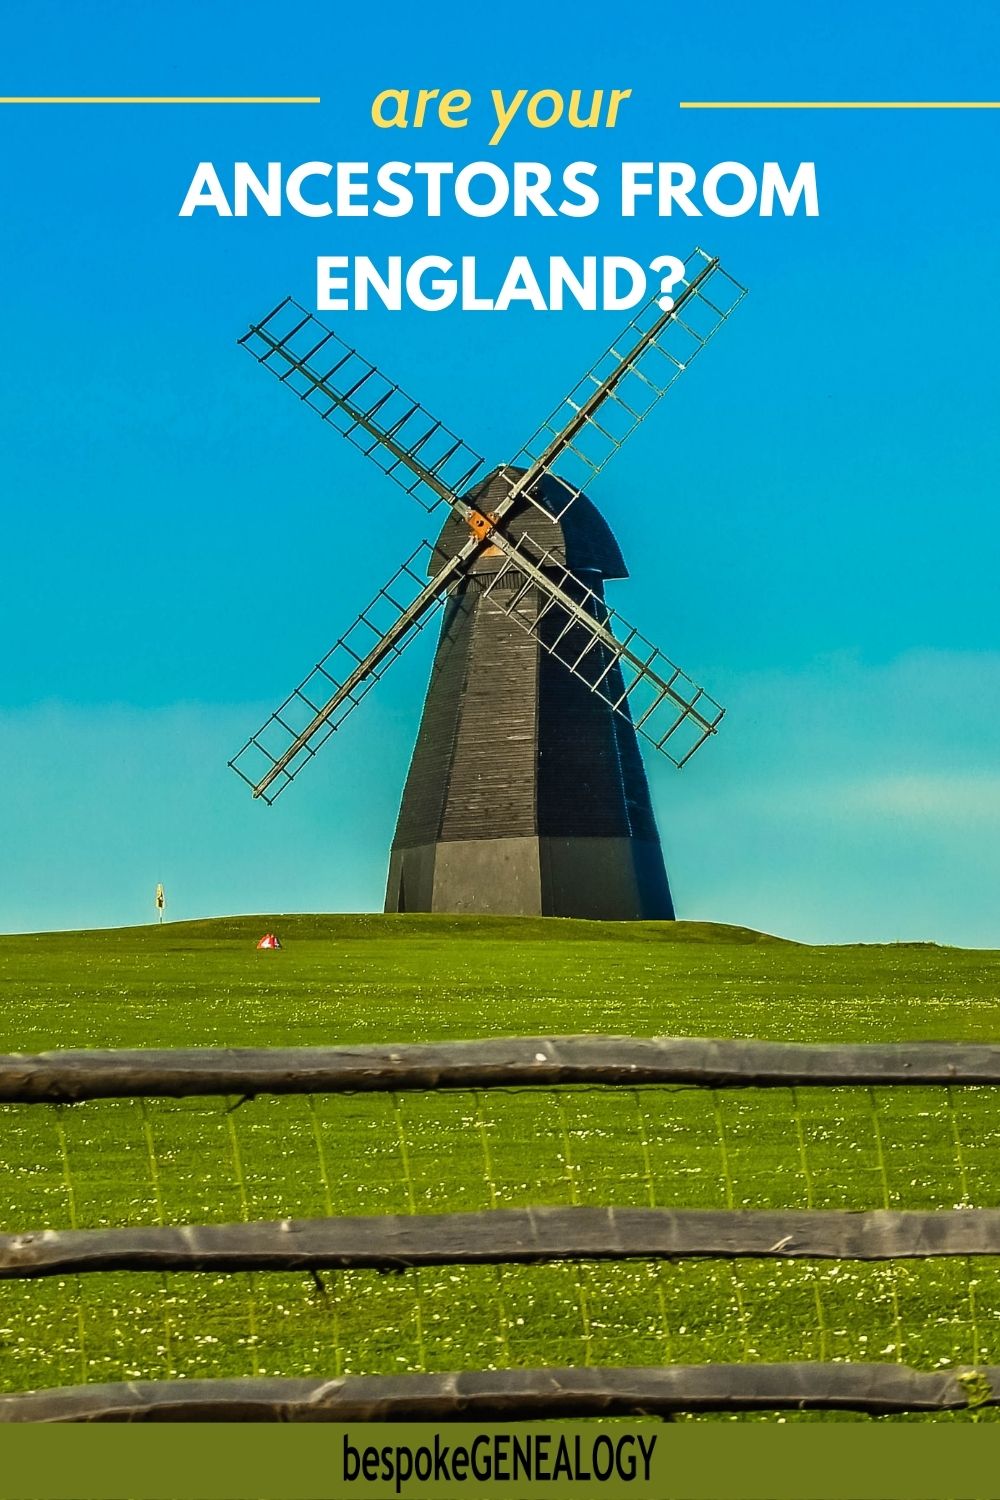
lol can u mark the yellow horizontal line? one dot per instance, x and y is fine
(156, 99)
(836, 104)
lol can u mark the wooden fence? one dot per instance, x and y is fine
(503, 1236)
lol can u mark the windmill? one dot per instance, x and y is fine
(526, 791)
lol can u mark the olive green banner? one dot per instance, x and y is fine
(645, 1459)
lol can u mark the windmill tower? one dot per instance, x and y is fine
(526, 791)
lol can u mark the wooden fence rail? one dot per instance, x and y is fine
(518, 1394)
(391, 1242)
(534, 1062)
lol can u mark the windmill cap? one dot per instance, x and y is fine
(580, 539)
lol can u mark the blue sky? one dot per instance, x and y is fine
(810, 517)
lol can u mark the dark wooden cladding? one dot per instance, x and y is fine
(517, 1394)
(66, 1077)
(503, 1236)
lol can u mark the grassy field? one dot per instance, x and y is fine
(364, 979)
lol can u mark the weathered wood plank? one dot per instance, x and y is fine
(516, 1394)
(503, 1236)
(69, 1076)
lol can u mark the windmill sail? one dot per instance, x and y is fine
(619, 391)
(340, 680)
(431, 463)
(575, 441)
(622, 667)
(397, 433)
(571, 623)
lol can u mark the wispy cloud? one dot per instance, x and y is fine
(841, 802)
(847, 801)
(967, 798)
